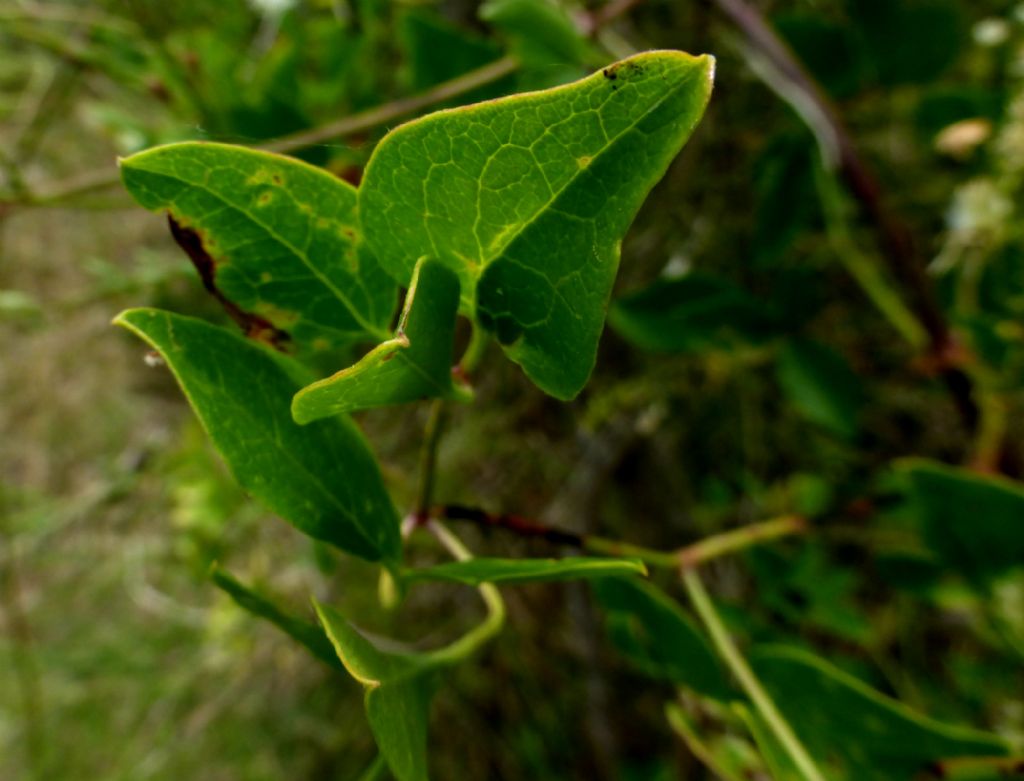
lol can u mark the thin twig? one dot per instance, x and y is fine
(681, 726)
(796, 86)
(428, 459)
(692, 555)
(748, 681)
(91, 181)
(488, 628)
(396, 109)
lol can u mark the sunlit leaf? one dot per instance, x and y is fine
(475, 571)
(321, 478)
(527, 198)
(415, 364)
(276, 240)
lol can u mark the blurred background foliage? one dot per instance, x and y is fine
(784, 337)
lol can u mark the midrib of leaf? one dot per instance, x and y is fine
(610, 143)
(300, 254)
(275, 442)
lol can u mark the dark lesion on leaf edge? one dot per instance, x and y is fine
(253, 326)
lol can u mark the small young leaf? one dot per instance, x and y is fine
(658, 637)
(872, 736)
(974, 523)
(695, 313)
(415, 364)
(473, 572)
(305, 632)
(273, 238)
(398, 689)
(527, 198)
(322, 478)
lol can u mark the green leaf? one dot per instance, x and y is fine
(842, 720)
(527, 198)
(820, 385)
(276, 240)
(659, 638)
(321, 478)
(973, 522)
(780, 764)
(398, 689)
(910, 41)
(305, 632)
(415, 364)
(695, 313)
(437, 50)
(541, 31)
(475, 571)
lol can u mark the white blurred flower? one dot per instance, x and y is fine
(991, 32)
(979, 208)
(272, 7)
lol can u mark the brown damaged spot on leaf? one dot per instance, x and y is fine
(253, 326)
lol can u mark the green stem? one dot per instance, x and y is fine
(977, 768)
(864, 272)
(680, 724)
(704, 550)
(479, 340)
(488, 628)
(748, 681)
(428, 459)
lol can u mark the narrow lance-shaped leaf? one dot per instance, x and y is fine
(871, 736)
(321, 478)
(397, 700)
(473, 572)
(305, 632)
(415, 364)
(274, 239)
(527, 199)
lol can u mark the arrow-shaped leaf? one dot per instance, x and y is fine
(397, 700)
(275, 239)
(527, 198)
(321, 478)
(415, 364)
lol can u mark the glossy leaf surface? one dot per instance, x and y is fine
(846, 723)
(321, 478)
(656, 635)
(475, 571)
(527, 199)
(415, 364)
(274, 237)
